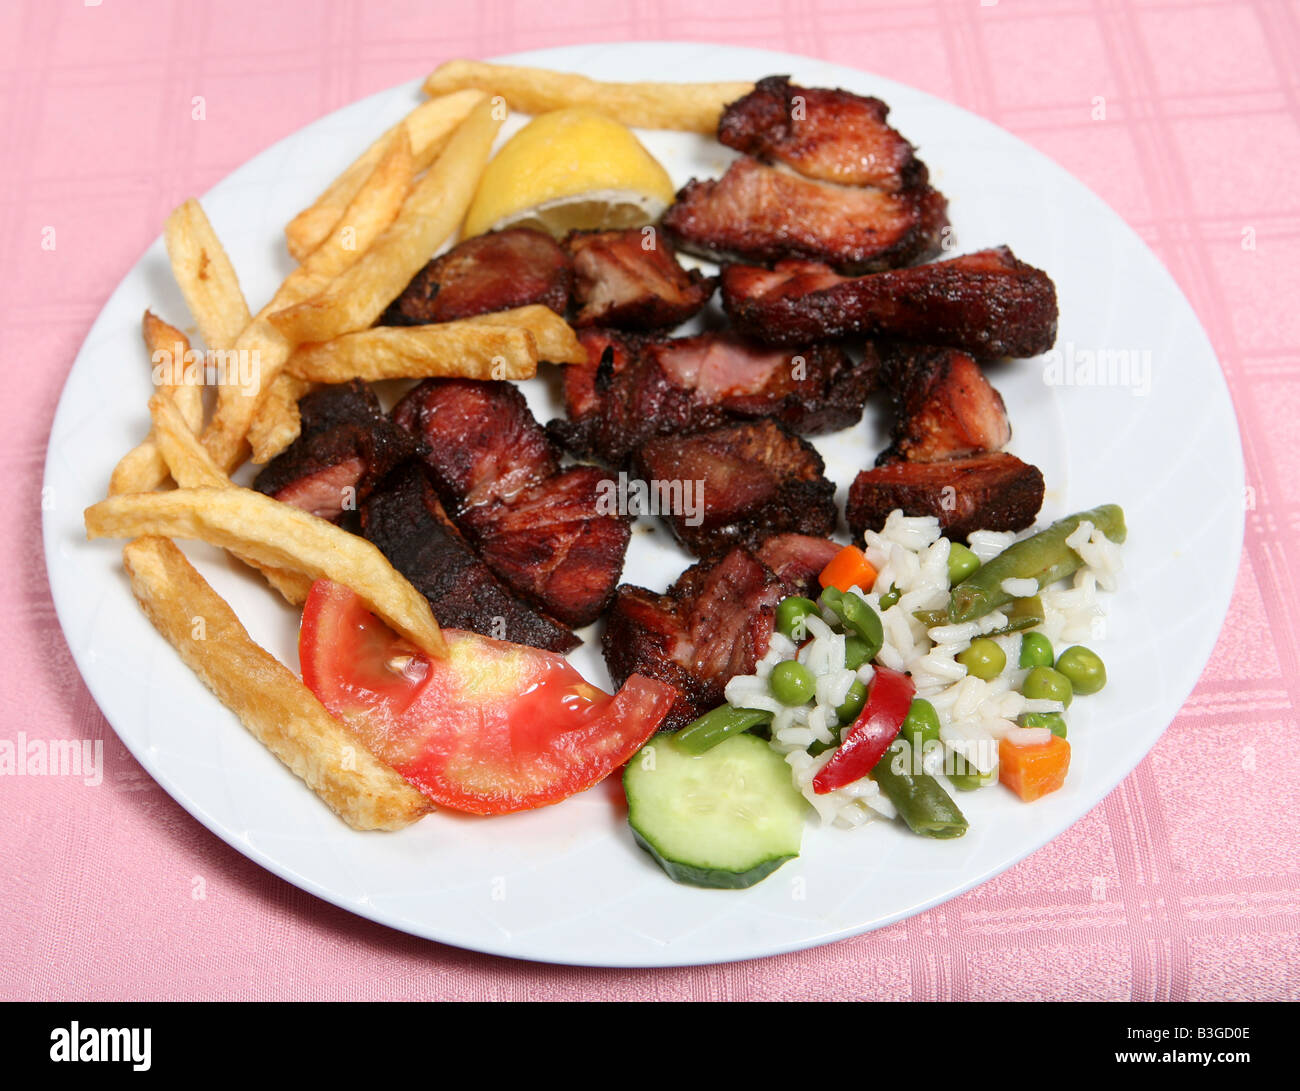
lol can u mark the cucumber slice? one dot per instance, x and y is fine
(725, 818)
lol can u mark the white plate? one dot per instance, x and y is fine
(567, 884)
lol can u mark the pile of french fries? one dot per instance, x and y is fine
(358, 246)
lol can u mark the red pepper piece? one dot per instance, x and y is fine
(877, 725)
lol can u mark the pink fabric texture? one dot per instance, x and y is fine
(1183, 884)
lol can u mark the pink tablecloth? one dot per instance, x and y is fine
(1184, 883)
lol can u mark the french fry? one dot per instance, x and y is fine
(278, 710)
(556, 341)
(207, 279)
(271, 533)
(688, 107)
(468, 350)
(276, 423)
(372, 210)
(430, 215)
(192, 467)
(142, 469)
(429, 126)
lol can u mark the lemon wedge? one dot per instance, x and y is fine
(571, 169)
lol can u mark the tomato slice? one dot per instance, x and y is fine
(493, 728)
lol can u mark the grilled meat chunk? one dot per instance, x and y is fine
(406, 521)
(344, 450)
(481, 441)
(981, 492)
(631, 280)
(762, 214)
(486, 273)
(989, 304)
(558, 542)
(635, 388)
(748, 481)
(715, 622)
(945, 406)
(798, 560)
(549, 534)
(829, 135)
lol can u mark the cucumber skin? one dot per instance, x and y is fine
(711, 878)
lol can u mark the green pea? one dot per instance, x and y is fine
(790, 614)
(890, 597)
(921, 724)
(961, 563)
(1046, 684)
(1084, 668)
(965, 777)
(983, 659)
(1036, 651)
(1053, 721)
(856, 652)
(792, 683)
(857, 697)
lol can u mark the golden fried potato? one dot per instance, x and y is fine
(465, 349)
(207, 279)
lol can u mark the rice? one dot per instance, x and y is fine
(911, 559)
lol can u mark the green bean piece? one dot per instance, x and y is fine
(890, 597)
(983, 659)
(931, 618)
(1036, 651)
(818, 747)
(856, 652)
(964, 775)
(857, 617)
(853, 703)
(1022, 614)
(961, 563)
(713, 727)
(919, 798)
(921, 724)
(792, 683)
(1046, 684)
(1084, 668)
(1053, 721)
(790, 614)
(1043, 557)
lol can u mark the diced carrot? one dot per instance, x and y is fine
(848, 568)
(1033, 771)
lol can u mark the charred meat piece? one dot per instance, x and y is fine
(715, 622)
(345, 448)
(633, 389)
(798, 561)
(631, 280)
(481, 441)
(989, 304)
(945, 406)
(829, 135)
(486, 273)
(558, 542)
(983, 492)
(549, 534)
(745, 482)
(406, 521)
(762, 214)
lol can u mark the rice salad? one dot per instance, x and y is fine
(975, 715)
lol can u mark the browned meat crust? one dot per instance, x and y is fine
(345, 448)
(748, 481)
(406, 521)
(633, 389)
(982, 492)
(492, 272)
(631, 280)
(545, 532)
(798, 561)
(989, 304)
(829, 135)
(945, 406)
(715, 622)
(761, 214)
(556, 542)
